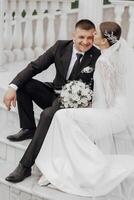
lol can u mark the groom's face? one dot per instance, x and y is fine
(83, 39)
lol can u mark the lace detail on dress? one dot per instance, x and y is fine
(105, 79)
(108, 76)
(112, 79)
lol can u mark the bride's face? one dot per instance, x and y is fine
(98, 38)
(99, 41)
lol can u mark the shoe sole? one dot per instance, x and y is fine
(17, 181)
(18, 140)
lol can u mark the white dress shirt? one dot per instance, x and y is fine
(73, 59)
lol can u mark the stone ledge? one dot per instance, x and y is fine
(29, 188)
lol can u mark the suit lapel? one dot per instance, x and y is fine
(65, 59)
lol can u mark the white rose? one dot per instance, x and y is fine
(64, 93)
(71, 105)
(75, 89)
(75, 105)
(66, 105)
(89, 97)
(85, 92)
(84, 100)
(75, 97)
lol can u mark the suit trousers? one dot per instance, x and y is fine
(45, 98)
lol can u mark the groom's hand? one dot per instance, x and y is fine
(10, 98)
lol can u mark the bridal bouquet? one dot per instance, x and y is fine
(75, 94)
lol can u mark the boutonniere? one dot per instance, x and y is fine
(87, 69)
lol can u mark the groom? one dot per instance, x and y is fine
(70, 57)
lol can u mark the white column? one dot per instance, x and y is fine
(28, 31)
(50, 37)
(63, 19)
(2, 55)
(17, 34)
(39, 31)
(118, 9)
(92, 10)
(8, 32)
(130, 36)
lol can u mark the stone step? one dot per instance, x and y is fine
(10, 151)
(29, 188)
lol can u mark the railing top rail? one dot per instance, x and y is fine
(122, 2)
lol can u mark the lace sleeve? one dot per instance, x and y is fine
(107, 73)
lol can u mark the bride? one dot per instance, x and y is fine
(90, 151)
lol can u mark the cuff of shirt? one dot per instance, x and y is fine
(15, 87)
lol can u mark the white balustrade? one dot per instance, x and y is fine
(50, 28)
(28, 30)
(2, 55)
(40, 30)
(64, 6)
(8, 32)
(26, 37)
(93, 10)
(130, 36)
(119, 8)
(63, 30)
(17, 34)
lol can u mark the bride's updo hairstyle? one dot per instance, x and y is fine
(111, 31)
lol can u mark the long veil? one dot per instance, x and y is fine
(121, 140)
(126, 60)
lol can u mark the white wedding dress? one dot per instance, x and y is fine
(89, 151)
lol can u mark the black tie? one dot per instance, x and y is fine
(76, 66)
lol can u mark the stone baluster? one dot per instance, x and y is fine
(130, 36)
(118, 10)
(50, 36)
(28, 31)
(66, 6)
(17, 34)
(2, 55)
(92, 10)
(8, 31)
(39, 31)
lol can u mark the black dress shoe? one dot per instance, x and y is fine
(19, 174)
(23, 134)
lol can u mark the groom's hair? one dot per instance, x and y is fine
(85, 24)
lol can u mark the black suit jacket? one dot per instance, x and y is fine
(59, 54)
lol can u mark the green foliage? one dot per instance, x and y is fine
(34, 12)
(106, 2)
(75, 4)
(23, 13)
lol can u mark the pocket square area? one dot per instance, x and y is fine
(87, 69)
